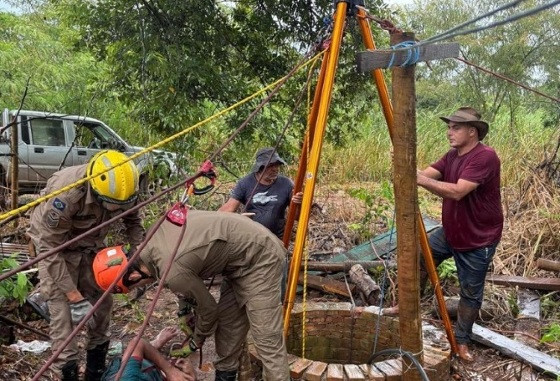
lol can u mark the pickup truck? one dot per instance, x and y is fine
(48, 142)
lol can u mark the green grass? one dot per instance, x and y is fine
(520, 147)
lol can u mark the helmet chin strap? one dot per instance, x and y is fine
(126, 278)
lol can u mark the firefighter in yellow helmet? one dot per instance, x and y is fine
(66, 279)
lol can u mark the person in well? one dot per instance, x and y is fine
(148, 364)
(467, 178)
(66, 278)
(249, 258)
(264, 192)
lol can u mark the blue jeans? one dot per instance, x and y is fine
(471, 265)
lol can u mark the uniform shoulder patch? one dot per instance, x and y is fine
(59, 204)
(53, 219)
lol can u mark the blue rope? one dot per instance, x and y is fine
(412, 55)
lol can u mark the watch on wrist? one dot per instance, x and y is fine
(192, 345)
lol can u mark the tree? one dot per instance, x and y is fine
(526, 50)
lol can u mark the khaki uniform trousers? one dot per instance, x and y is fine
(265, 321)
(79, 267)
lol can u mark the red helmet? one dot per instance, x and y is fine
(107, 265)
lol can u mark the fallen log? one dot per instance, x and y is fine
(533, 283)
(345, 266)
(516, 350)
(366, 285)
(327, 285)
(548, 264)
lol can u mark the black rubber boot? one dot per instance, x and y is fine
(226, 375)
(70, 371)
(95, 362)
(466, 316)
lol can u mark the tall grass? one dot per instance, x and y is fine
(520, 144)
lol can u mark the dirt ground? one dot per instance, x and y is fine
(332, 229)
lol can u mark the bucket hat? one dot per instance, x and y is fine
(471, 116)
(266, 156)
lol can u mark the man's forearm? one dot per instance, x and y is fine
(439, 188)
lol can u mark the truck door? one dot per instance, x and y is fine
(49, 149)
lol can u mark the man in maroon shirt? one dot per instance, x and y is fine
(467, 177)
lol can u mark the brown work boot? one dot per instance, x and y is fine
(464, 353)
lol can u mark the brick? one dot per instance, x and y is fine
(353, 372)
(335, 372)
(298, 367)
(315, 371)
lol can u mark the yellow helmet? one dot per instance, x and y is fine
(120, 184)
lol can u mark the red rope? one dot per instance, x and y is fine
(509, 80)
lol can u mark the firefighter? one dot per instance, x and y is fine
(66, 278)
(250, 259)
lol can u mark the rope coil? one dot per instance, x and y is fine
(412, 53)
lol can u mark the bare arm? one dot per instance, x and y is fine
(230, 206)
(147, 351)
(429, 179)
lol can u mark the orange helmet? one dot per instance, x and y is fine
(107, 265)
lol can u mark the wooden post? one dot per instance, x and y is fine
(406, 208)
(14, 164)
(373, 60)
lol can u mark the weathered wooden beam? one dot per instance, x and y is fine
(346, 266)
(533, 283)
(406, 211)
(547, 264)
(516, 350)
(379, 59)
(327, 285)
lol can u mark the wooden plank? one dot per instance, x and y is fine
(516, 350)
(388, 369)
(378, 59)
(353, 372)
(345, 266)
(547, 264)
(298, 367)
(534, 283)
(327, 285)
(315, 371)
(335, 372)
(372, 373)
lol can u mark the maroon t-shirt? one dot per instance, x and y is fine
(477, 219)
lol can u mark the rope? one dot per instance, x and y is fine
(304, 301)
(132, 345)
(121, 274)
(383, 23)
(557, 100)
(30, 205)
(283, 133)
(412, 55)
(483, 16)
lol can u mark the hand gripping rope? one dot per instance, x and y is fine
(178, 212)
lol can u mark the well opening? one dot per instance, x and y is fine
(339, 334)
(339, 340)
